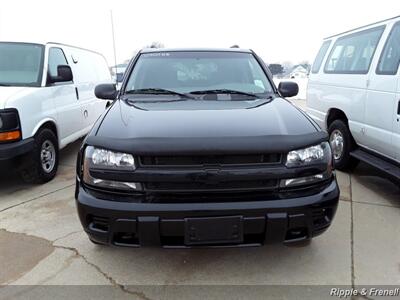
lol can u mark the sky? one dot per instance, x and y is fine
(279, 31)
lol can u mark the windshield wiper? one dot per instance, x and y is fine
(132, 102)
(157, 91)
(223, 91)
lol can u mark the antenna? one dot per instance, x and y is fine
(115, 52)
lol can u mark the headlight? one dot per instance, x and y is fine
(106, 159)
(317, 154)
(97, 159)
(9, 125)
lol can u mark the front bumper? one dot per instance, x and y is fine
(163, 224)
(13, 149)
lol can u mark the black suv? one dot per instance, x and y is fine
(199, 148)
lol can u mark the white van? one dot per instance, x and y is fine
(354, 93)
(46, 102)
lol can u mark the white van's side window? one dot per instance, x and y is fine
(320, 57)
(352, 54)
(56, 58)
(390, 57)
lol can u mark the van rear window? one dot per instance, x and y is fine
(320, 57)
(353, 53)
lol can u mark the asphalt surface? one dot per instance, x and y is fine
(42, 243)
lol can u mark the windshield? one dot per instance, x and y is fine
(21, 64)
(198, 72)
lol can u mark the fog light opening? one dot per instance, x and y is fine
(126, 238)
(100, 227)
(298, 233)
(322, 217)
(99, 224)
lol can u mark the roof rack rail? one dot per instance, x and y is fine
(375, 23)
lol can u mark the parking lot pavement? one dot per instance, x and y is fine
(41, 242)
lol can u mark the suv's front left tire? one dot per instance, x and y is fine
(40, 166)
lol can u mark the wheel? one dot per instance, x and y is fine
(342, 144)
(41, 164)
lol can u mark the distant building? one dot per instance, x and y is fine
(118, 71)
(300, 71)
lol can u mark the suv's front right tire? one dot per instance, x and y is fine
(342, 144)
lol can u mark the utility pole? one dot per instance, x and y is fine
(113, 38)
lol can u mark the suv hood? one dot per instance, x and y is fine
(6, 92)
(206, 126)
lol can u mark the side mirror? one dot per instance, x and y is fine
(64, 74)
(288, 88)
(106, 91)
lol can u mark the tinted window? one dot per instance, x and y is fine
(320, 56)
(390, 57)
(56, 58)
(21, 64)
(195, 70)
(352, 54)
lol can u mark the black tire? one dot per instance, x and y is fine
(345, 162)
(32, 170)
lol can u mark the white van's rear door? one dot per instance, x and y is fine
(396, 128)
(381, 101)
(379, 113)
(89, 69)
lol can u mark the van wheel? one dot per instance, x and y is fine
(41, 164)
(342, 144)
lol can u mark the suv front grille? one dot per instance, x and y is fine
(215, 183)
(204, 160)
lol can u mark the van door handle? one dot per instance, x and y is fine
(398, 111)
(77, 93)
